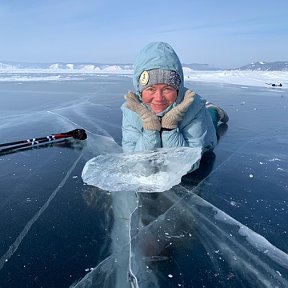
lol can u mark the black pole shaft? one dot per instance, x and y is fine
(79, 134)
(28, 141)
(28, 144)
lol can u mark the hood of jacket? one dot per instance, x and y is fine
(158, 55)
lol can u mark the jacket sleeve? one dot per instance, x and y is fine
(134, 136)
(195, 131)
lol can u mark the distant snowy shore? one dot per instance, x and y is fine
(56, 73)
(244, 78)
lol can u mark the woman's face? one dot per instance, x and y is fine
(159, 96)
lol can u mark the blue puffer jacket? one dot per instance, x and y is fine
(196, 128)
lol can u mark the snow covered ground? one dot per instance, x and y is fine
(248, 78)
(237, 77)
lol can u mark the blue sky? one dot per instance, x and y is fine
(221, 33)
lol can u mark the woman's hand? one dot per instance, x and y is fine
(149, 118)
(171, 119)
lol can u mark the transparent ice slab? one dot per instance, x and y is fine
(151, 171)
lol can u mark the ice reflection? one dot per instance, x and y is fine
(177, 239)
(240, 257)
(115, 270)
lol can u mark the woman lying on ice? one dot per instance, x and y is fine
(162, 112)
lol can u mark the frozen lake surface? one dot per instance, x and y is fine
(224, 225)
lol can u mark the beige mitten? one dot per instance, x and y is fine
(170, 119)
(149, 118)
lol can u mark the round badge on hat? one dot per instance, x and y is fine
(144, 78)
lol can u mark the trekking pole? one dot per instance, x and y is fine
(78, 134)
